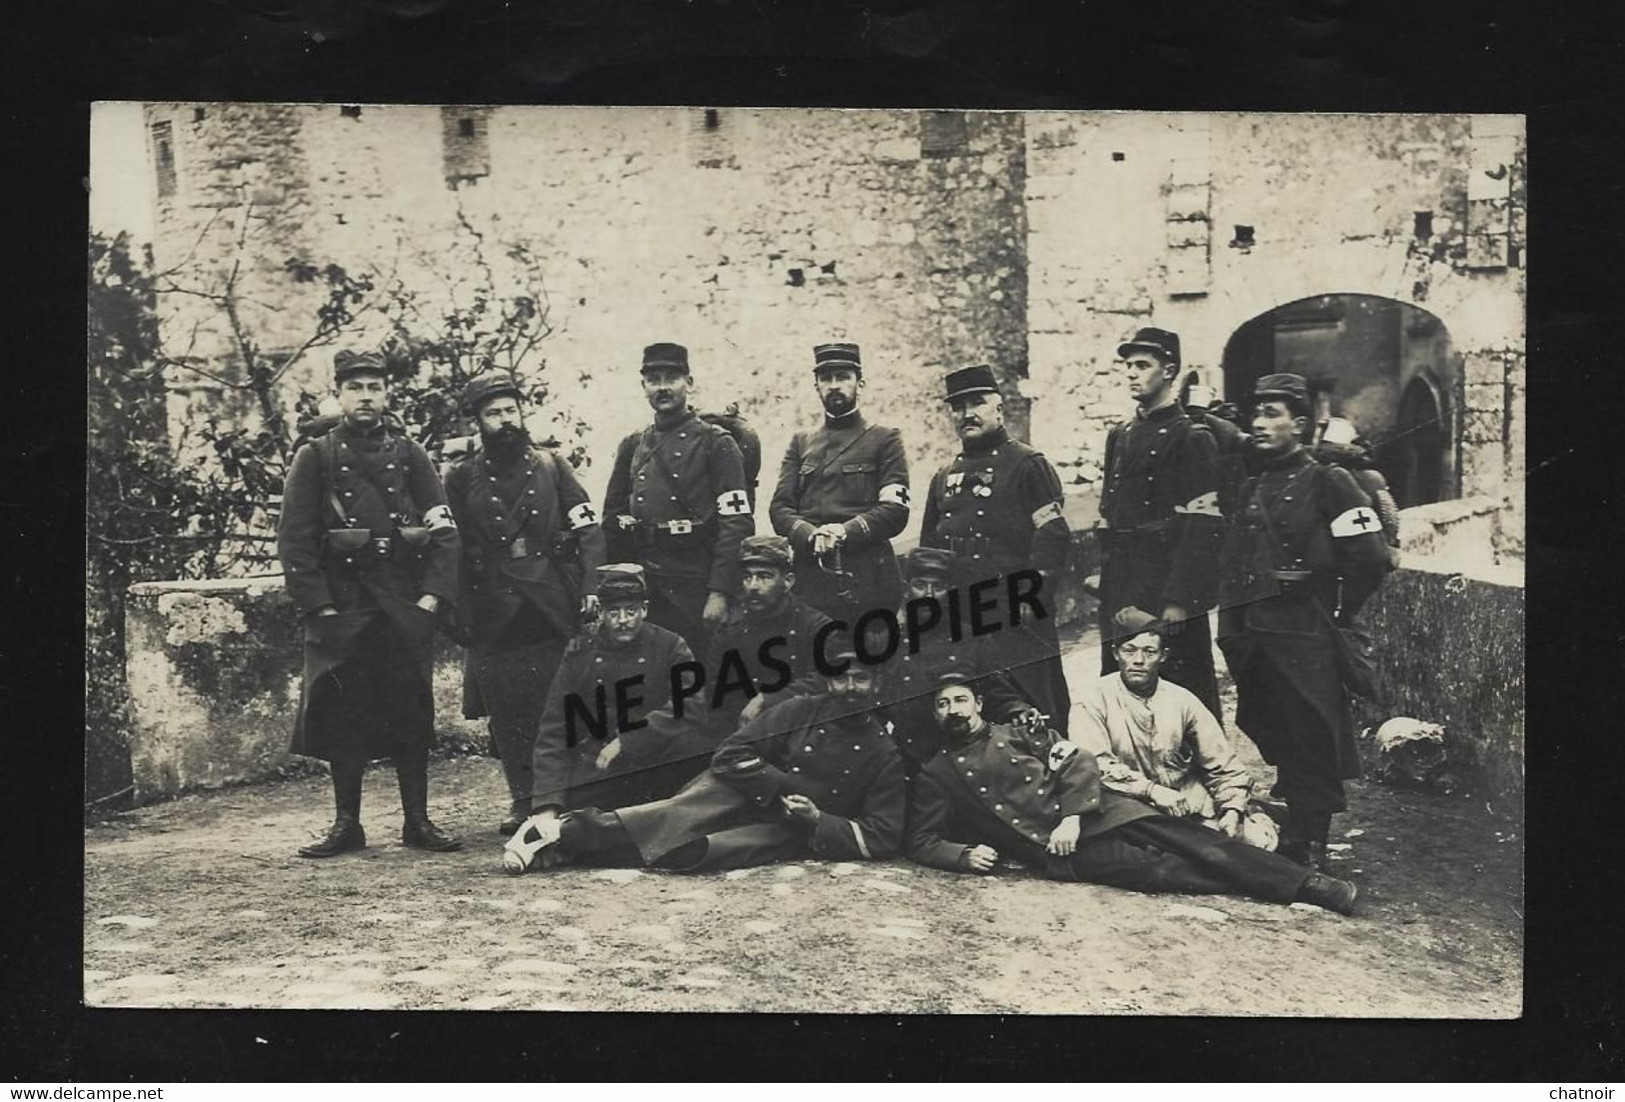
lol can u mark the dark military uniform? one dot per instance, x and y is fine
(1161, 533)
(794, 622)
(852, 473)
(908, 680)
(659, 752)
(814, 746)
(531, 546)
(1000, 788)
(365, 529)
(1307, 544)
(677, 503)
(997, 506)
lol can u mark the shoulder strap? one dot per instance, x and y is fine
(324, 452)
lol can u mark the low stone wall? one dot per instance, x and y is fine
(214, 671)
(1463, 532)
(1452, 652)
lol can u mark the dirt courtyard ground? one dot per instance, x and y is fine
(200, 902)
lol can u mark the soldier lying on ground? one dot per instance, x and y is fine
(812, 776)
(1157, 743)
(992, 793)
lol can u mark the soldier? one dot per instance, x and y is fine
(992, 793)
(1223, 421)
(998, 508)
(677, 503)
(1305, 555)
(748, 670)
(610, 734)
(813, 776)
(842, 496)
(369, 552)
(908, 679)
(1160, 521)
(531, 550)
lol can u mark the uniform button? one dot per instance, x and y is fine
(998, 807)
(643, 476)
(984, 788)
(970, 772)
(1017, 820)
(832, 791)
(344, 467)
(347, 493)
(600, 658)
(349, 558)
(532, 490)
(1153, 451)
(857, 748)
(674, 497)
(1288, 497)
(961, 761)
(980, 513)
(389, 466)
(682, 436)
(795, 769)
(494, 497)
(641, 661)
(1162, 432)
(1026, 780)
(677, 455)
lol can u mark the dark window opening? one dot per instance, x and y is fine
(465, 144)
(1424, 225)
(943, 133)
(465, 128)
(350, 111)
(199, 114)
(163, 157)
(1243, 238)
(713, 118)
(1514, 256)
(1117, 156)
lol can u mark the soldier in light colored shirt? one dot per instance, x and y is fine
(1156, 742)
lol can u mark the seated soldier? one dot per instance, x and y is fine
(748, 670)
(991, 792)
(1157, 743)
(813, 776)
(908, 678)
(609, 734)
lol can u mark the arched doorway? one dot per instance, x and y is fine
(1384, 365)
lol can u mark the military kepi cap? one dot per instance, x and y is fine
(970, 380)
(621, 580)
(929, 562)
(769, 550)
(838, 355)
(1283, 385)
(347, 363)
(1149, 339)
(492, 384)
(665, 355)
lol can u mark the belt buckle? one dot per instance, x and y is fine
(380, 546)
(680, 527)
(518, 549)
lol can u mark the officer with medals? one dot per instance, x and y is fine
(677, 504)
(997, 506)
(764, 653)
(842, 496)
(369, 553)
(531, 549)
(1161, 525)
(1305, 555)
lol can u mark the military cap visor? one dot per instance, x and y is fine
(348, 364)
(929, 562)
(766, 550)
(483, 388)
(621, 581)
(836, 357)
(1282, 385)
(1157, 341)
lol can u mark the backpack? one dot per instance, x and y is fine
(734, 423)
(1357, 462)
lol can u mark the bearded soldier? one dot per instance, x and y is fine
(1306, 553)
(531, 549)
(997, 506)
(842, 496)
(677, 503)
(369, 553)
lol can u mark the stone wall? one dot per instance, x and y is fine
(1452, 652)
(214, 674)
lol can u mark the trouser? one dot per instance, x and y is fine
(513, 685)
(411, 776)
(678, 604)
(598, 838)
(1179, 855)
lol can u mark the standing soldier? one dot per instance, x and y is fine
(677, 504)
(1160, 521)
(1305, 554)
(842, 496)
(369, 551)
(531, 549)
(748, 670)
(998, 508)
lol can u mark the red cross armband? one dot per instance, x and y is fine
(582, 515)
(1355, 522)
(732, 503)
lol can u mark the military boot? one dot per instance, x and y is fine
(345, 835)
(1303, 838)
(417, 830)
(1329, 892)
